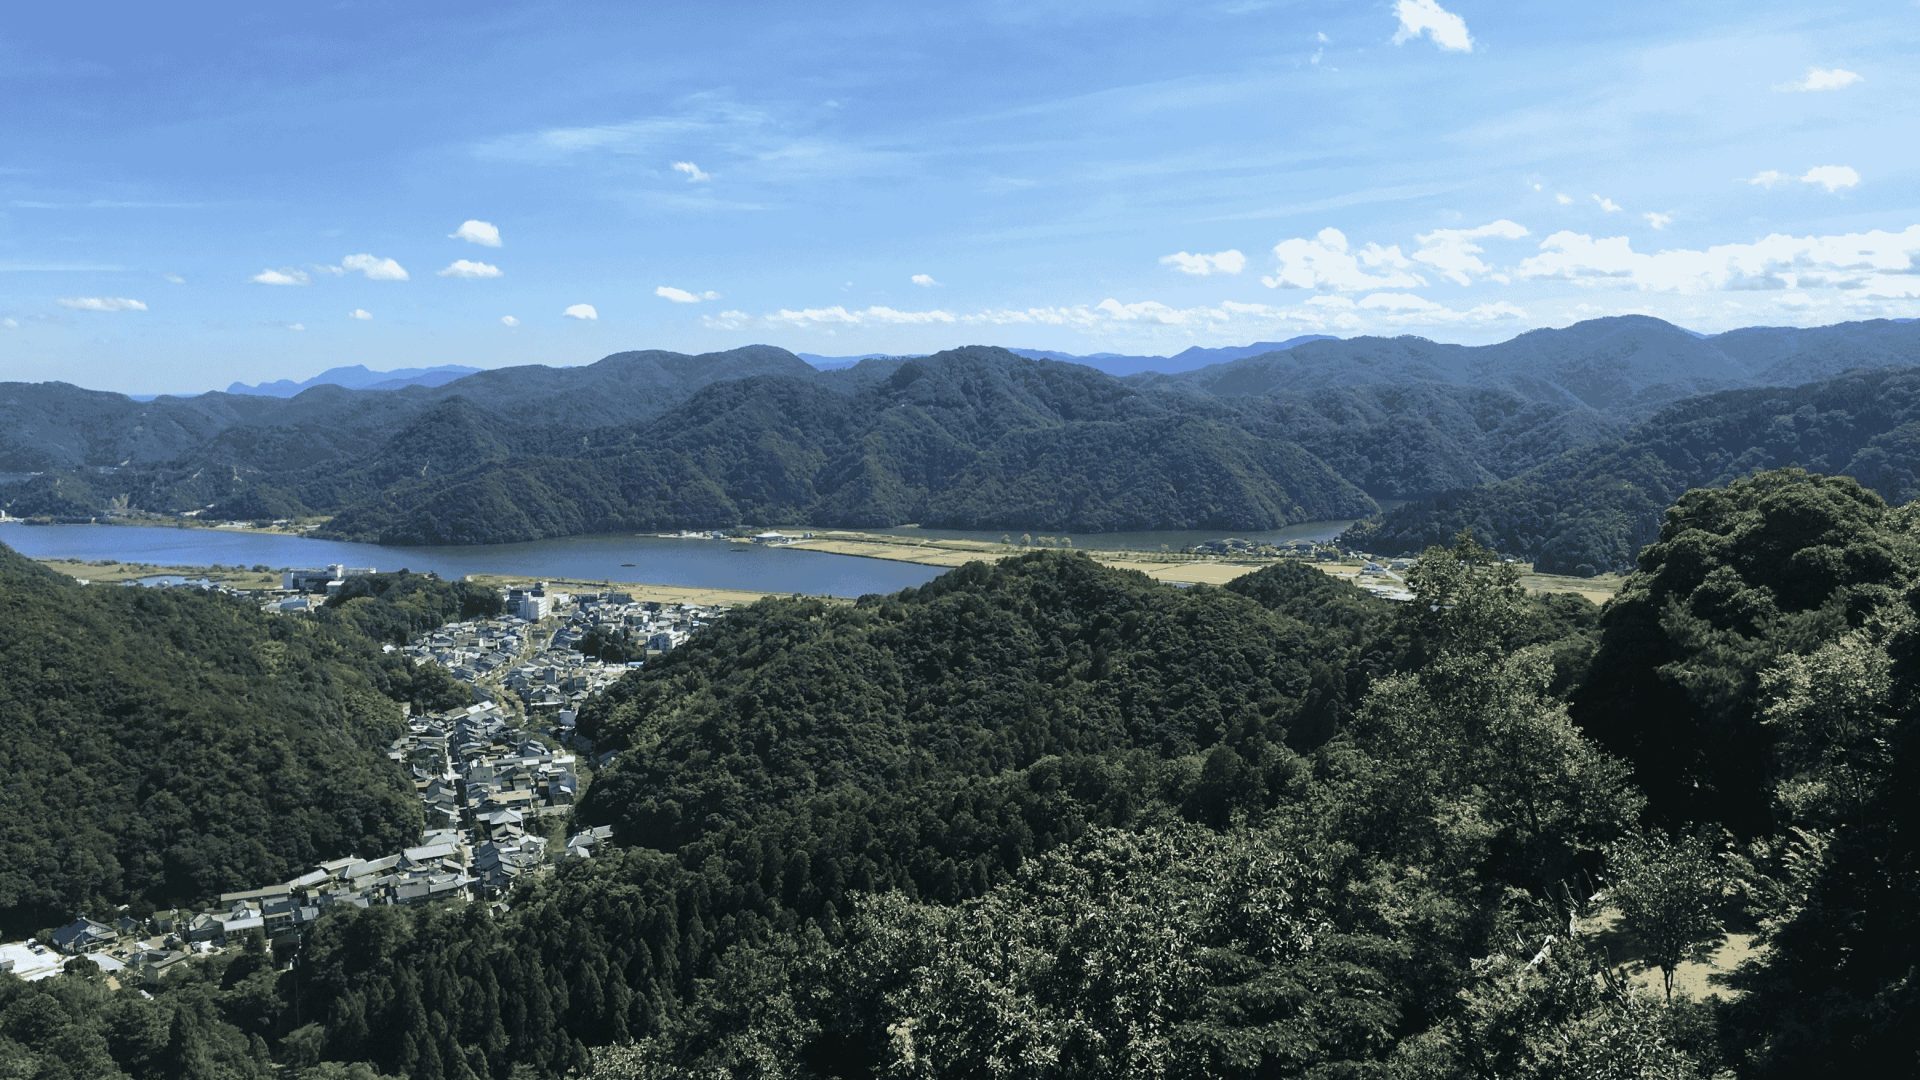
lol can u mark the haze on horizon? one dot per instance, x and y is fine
(194, 196)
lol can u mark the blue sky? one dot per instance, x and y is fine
(191, 194)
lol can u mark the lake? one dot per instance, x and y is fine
(701, 564)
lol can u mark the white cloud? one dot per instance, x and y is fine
(1605, 204)
(682, 296)
(840, 316)
(1872, 264)
(375, 268)
(1447, 30)
(10, 323)
(509, 321)
(280, 277)
(173, 279)
(1831, 177)
(1325, 262)
(467, 268)
(1563, 198)
(925, 281)
(1455, 253)
(1325, 313)
(1818, 79)
(584, 312)
(298, 328)
(1657, 219)
(1230, 261)
(694, 173)
(360, 313)
(484, 233)
(101, 303)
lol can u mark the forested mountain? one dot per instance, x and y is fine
(974, 437)
(757, 436)
(165, 745)
(1591, 509)
(53, 425)
(1045, 818)
(1626, 366)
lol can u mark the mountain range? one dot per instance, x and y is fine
(978, 437)
(357, 377)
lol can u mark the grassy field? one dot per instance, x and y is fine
(1701, 978)
(1178, 569)
(109, 572)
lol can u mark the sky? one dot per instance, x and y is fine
(192, 194)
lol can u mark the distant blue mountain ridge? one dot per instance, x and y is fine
(357, 377)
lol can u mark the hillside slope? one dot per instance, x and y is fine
(1592, 509)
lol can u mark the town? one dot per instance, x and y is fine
(497, 781)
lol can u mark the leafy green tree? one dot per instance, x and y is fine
(1833, 721)
(1669, 893)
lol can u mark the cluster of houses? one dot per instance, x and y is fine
(544, 668)
(495, 794)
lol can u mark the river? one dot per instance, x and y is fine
(651, 560)
(700, 564)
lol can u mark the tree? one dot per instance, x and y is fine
(1668, 893)
(1831, 715)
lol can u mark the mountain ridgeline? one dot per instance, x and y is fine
(1559, 445)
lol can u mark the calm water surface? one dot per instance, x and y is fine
(704, 564)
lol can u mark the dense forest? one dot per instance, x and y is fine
(1499, 437)
(1046, 818)
(164, 745)
(1591, 509)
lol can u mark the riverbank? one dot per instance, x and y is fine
(662, 594)
(109, 572)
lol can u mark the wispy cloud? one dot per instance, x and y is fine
(360, 314)
(1819, 79)
(173, 279)
(484, 233)
(1230, 261)
(1657, 219)
(925, 281)
(1832, 177)
(101, 303)
(1606, 205)
(285, 276)
(509, 321)
(467, 268)
(682, 296)
(583, 312)
(694, 173)
(1427, 18)
(1455, 253)
(1379, 310)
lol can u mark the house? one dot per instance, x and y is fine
(28, 961)
(205, 929)
(83, 935)
(155, 966)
